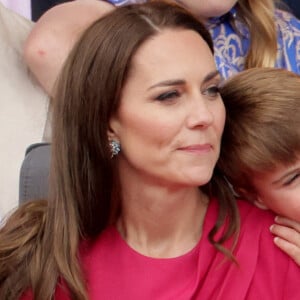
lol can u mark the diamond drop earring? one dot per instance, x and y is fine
(115, 148)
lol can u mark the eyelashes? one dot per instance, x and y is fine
(212, 91)
(292, 179)
(168, 95)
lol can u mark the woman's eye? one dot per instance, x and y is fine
(212, 91)
(292, 179)
(168, 95)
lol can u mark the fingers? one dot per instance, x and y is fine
(288, 222)
(287, 238)
(290, 249)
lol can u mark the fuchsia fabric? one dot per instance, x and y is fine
(115, 271)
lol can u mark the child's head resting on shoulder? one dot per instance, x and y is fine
(260, 153)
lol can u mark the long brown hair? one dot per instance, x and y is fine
(262, 127)
(84, 193)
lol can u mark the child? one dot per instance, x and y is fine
(260, 153)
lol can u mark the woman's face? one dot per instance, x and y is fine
(207, 8)
(171, 116)
(279, 190)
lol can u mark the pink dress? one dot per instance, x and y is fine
(115, 271)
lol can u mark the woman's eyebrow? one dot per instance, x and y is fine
(211, 76)
(171, 82)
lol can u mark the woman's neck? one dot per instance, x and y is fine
(159, 222)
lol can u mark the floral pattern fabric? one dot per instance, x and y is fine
(232, 43)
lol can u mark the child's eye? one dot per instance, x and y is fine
(292, 179)
(212, 91)
(168, 95)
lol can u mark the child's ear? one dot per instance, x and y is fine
(260, 204)
(252, 197)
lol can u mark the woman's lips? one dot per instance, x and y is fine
(197, 148)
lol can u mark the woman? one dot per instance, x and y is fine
(261, 146)
(246, 34)
(134, 194)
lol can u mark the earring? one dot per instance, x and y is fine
(115, 148)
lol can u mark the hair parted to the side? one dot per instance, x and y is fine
(84, 189)
(259, 17)
(262, 128)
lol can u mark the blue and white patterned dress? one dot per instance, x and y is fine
(231, 44)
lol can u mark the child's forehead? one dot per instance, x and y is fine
(280, 171)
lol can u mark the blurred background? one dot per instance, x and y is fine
(33, 9)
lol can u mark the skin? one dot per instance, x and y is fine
(287, 238)
(169, 125)
(208, 9)
(279, 191)
(54, 35)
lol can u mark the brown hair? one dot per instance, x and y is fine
(258, 15)
(84, 187)
(262, 126)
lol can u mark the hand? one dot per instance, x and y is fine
(287, 238)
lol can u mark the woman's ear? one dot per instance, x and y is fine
(113, 129)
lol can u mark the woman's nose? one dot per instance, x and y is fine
(200, 114)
